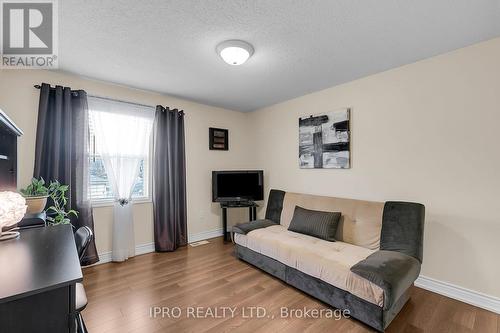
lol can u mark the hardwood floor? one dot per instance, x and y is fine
(209, 277)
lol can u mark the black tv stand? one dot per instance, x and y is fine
(252, 212)
(239, 203)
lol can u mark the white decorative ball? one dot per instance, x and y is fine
(12, 208)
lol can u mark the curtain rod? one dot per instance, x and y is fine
(37, 86)
(117, 100)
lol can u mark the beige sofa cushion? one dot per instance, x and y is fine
(360, 224)
(327, 261)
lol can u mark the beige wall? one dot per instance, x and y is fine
(19, 100)
(427, 132)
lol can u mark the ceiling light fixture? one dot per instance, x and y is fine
(234, 52)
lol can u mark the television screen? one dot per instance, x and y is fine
(237, 185)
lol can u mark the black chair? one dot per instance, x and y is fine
(83, 236)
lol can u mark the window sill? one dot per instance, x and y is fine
(110, 203)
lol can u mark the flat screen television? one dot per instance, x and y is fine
(245, 185)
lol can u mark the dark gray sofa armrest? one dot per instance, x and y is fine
(275, 205)
(245, 228)
(392, 271)
(403, 228)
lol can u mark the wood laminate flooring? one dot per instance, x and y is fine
(203, 281)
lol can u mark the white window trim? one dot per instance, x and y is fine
(135, 200)
(96, 203)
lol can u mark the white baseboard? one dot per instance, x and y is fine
(105, 257)
(472, 297)
(205, 235)
(144, 248)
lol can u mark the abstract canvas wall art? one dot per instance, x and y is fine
(324, 140)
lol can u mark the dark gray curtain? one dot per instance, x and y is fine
(61, 150)
(169, 180)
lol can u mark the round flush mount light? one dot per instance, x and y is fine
(234, 52)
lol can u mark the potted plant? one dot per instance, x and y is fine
(36, 194)
(57, 214)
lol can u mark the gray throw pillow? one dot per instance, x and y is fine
(315, 223)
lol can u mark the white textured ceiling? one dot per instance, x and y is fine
(300, 46)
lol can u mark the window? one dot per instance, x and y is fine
(100, 190)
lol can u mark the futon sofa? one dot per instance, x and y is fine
(369, 267)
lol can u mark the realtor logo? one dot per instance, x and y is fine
(29, 34)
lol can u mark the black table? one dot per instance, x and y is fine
(38, 272)
(252, 213)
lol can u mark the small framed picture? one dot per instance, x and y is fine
(218, 139)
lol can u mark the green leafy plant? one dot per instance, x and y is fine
(57, 214)
(36, 188)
